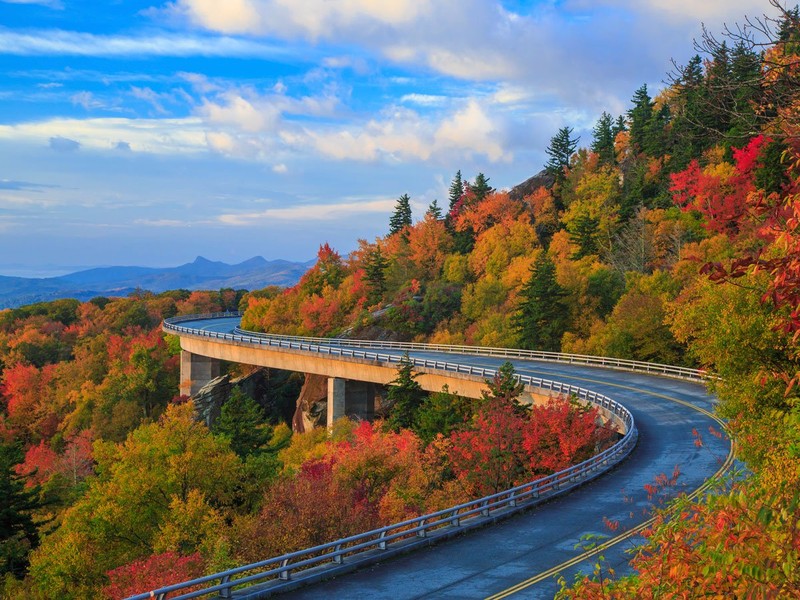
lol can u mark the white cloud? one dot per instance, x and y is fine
(310, 18)
(157, 136)
(471, 130)
(72, 43)
(86, 100)
(56, 4)
(309, 212)
(424, 99)
(162, 223)
(280, 169)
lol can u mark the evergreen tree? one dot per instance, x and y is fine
(504, 387)
(746, 76)
(241, 421)
(688, 132)
(375, 275)
(480, 187)
(434, 211)
(442, 413)
(561, 148)
(402, 215)
(619, 126)
(404, 397)
(640, 117)
(583, 232)
(541, 316)
(456, 190)
(18, 534)
(603, 139)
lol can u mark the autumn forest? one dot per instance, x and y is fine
(672, 235)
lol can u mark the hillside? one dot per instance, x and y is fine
(202, 273)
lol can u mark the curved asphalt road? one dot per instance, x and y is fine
(522, 556)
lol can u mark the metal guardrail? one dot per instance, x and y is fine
(557, 357)
(381, 542)
(439, 524)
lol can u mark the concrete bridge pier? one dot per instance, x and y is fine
(196, 371)
(350, 398)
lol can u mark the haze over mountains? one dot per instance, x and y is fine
(202, 273)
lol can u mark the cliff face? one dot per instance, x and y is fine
(530, 185)
(311, 404)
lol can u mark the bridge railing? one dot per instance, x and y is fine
(557, 357)
(378, 544)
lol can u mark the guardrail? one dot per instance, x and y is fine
(557, 357)
(398, 537)
(378, 544)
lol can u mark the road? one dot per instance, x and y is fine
(521, 557)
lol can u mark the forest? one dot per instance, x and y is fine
(672, 236)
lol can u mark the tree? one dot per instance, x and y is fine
(489, 456)
(18, 533)
(561, 148)
(434, 211)
(504, 386)
(541, 316)
(401, 218)
(375, 275)
(404, 397)
(480, 188)
(241, 421)
(603, 139)
(145, 487)
(456, 190)
(640, 117)
(441, 413)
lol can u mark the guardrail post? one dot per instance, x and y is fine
(382, 543)
(485, 509)
(512, 499)
(225, 593)
(338, 558)
(422, 532)
(285, 575)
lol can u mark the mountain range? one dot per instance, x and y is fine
(202, 273)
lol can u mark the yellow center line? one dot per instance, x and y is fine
(635, 530)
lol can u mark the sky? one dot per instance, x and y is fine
(144, 132)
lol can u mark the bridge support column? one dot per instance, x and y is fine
(196, 371)
(337, 398)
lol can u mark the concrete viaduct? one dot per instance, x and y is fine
(351, 375)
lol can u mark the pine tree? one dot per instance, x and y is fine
(541, 316)
(434, 212)
(480, 187)
(456, 190)
(18, 534)
(375, 275)
(619, 126)
(603, 139)
(640, 117)
(442, 413)
(560, 150)
(504, 387)
(242, 422)
(402, 215)
(583, 232)
(404, 397)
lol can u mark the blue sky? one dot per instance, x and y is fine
(138, 132)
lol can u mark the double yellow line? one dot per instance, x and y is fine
(635, 530)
